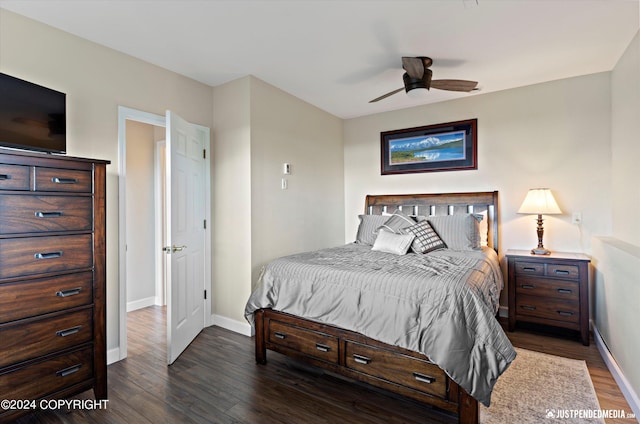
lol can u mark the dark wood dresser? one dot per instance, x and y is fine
(549, 289)
(52, 278)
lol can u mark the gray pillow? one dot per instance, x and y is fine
(368, 228)
(397, 244)
(397, 221)
(426, 239)
(458, 231)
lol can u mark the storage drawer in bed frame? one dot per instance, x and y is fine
(358, 357)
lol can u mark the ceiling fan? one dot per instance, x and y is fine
(418, 76)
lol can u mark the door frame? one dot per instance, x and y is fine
(125, 114)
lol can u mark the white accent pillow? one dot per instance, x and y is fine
(397, 244)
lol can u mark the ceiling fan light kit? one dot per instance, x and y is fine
(417, 79)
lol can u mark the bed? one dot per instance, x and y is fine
(421, 325)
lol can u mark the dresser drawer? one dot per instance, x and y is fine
(14, 177)
(553, 309)
(312, 343)
(53, 179)
(405, 370)
(19, 342)
(37, 255)
(35, 297)
(44, 378)
(29, 214)
(546, 287)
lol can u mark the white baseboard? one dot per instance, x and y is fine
(625, 387)
(503, 312)
(142, 303)
(231, 324)
(113, 355)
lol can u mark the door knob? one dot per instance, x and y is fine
(174, 248)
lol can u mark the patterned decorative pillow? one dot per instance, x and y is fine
(426, 239)
(397, 244)
(368, 228)
(397, 221)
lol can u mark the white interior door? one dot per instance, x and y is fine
(185, 249)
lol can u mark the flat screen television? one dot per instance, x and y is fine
(32, 117)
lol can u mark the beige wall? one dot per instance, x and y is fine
(555, 135)
(97, 80)
(257, 128)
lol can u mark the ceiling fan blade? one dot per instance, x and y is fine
(384, 96)
(414, 67)
(454, 85)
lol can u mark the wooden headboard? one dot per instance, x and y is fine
(440, 204)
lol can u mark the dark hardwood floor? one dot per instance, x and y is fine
(216, 380)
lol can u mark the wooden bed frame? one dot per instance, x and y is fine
(345, 352)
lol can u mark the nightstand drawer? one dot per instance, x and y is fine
(411, 372)
(547, 308)
(563, 271)
(529, 268)
(558, 289)
(313, 343)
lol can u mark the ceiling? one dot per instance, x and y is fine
(339, 54)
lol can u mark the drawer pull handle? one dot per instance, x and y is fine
(5, 177)
(528, 269)
(424, 378)
(565, 313)
(361, 359)
(68, 331)
(40, 214)
(48, 255)
(68, 371)
(59, 180)
(565, 291)
(528, 307)
(280, 336)
(528, 286)
(70, 292)
(561, 271)
(323, 348)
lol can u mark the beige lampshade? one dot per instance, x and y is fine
(539, 201)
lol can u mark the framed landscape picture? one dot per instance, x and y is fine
(451, 146)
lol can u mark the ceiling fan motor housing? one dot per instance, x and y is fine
(413, 83)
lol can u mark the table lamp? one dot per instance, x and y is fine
(539, 201)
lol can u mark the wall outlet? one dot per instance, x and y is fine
(284, 184)
(576, 219)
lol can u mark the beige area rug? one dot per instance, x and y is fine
(540, 388)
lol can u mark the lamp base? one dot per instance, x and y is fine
(540, 251)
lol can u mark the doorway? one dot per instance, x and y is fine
(142, 275)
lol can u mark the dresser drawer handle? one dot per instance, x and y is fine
(361, 359)
(48, 255)
(280, 336)
(528, 269)
(68, 331)
(323, 348)
(424, 378)
(528, 307)
(59, 180)
(5, 177)
(565, 291)
(527, 286)
(68, 371)
(48, 214)
(561, 271)
(565, 313)
(70, 292)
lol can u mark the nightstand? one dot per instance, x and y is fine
(549, 289)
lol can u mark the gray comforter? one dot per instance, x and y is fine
(441, 304)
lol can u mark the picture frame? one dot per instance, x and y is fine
(450, 146)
